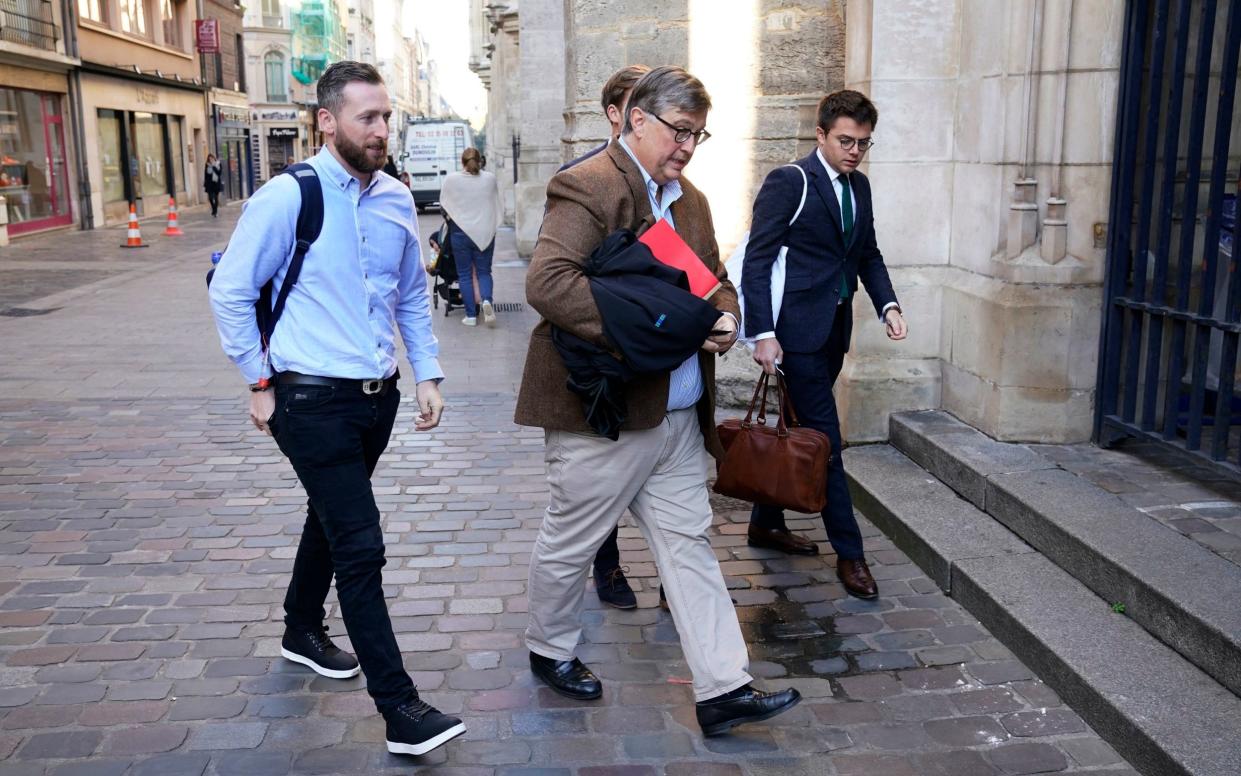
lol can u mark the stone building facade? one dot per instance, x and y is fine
(991, 171)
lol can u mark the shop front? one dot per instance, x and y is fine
(232, 141)
(145, 136)
(279, 134)
(34, 165)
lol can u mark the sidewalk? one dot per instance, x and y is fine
(146, 534)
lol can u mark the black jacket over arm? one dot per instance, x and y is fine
(651, 319)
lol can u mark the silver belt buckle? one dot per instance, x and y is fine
(372, 387)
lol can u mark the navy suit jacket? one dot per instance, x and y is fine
(817, 258)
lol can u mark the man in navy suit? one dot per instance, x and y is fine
(610, 583)
(831, 245)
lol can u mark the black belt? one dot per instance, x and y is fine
(368, 387)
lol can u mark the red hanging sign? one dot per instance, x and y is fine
(207, 34)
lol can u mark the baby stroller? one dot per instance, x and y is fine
(443, 272)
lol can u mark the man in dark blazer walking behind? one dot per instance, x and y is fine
(830, 246)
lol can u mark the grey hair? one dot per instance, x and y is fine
(330, 91)
(666, 88)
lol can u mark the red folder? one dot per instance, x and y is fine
(669, 248)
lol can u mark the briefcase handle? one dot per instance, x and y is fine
(760, 400)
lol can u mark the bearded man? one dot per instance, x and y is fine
(325, 387)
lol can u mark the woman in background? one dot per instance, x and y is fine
(471, 202)
(211, 182)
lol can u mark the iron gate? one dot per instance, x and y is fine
(1172, 313)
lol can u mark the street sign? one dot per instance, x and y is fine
(207, 34)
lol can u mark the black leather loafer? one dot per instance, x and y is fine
(570, 678)
(719, 715)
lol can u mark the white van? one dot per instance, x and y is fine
(432, 150)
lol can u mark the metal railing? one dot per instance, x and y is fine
(1172, 315)
(28, 23)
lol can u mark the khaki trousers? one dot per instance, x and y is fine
(660, 475)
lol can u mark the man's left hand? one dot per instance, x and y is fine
(430, 405)
(720, 343)
(895, 323)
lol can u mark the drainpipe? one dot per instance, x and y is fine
(77, 122)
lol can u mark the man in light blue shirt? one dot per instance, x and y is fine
(326, 387)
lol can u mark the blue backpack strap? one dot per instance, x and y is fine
(309, 224)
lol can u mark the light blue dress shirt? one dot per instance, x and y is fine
(685, 383)
(361, 281)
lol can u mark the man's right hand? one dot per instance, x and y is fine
(768, 354)
(262, 407)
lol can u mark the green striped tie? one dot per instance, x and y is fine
(846, 211)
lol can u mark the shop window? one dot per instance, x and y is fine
(170, 18)
(94, 10)
(113, 184)
(149, 156)
(273, 65)
(133, 17)
(32, 162)
(177, 152)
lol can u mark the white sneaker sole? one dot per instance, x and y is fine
(429, 744)
(318, 669)
(489, 315)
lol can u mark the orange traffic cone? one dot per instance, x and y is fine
(173, 230)
(133, 238)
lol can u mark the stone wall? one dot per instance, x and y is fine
(542, 89)
(992, 181)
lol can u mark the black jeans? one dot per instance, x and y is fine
(214, 198)
(334, 437)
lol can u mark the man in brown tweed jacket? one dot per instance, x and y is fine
(657, 469)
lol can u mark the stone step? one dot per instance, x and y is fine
(1161, 712)
(1185, 595)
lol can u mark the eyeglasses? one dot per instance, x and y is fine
(682, 134)
(847, 143)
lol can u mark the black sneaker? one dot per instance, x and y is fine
(313, 648)
(614, 589)
(417, 728)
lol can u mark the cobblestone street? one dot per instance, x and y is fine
(147, 532)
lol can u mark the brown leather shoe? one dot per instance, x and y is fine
(782, 540)
(855, 575)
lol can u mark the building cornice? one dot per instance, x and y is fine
(130, 74)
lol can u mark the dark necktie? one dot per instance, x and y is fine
(846, 213)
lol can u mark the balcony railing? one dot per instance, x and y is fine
(273, 21)
(28, 23)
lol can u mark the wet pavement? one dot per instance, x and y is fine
(146, 534)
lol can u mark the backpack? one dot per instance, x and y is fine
(737, 258)
(309, 224)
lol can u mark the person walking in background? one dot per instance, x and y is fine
(471, 203)
(211, 183)
(830, 247)
(326, 388)
(404, 178)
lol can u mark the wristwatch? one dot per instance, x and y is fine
(263, 384)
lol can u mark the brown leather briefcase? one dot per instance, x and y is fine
(782, 465)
